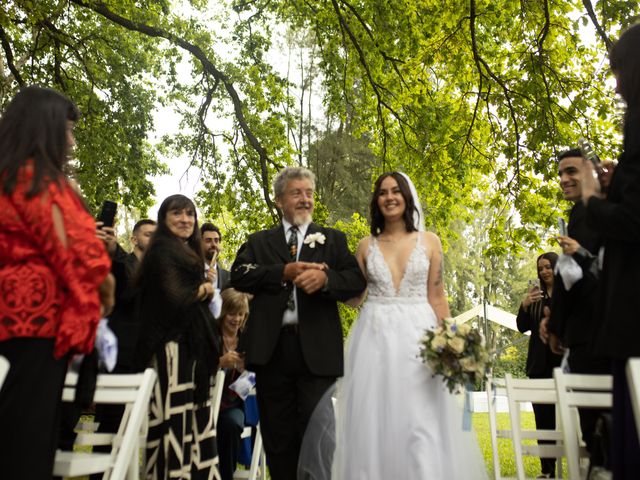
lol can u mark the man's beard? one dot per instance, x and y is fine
(301, 218)
(209, 255)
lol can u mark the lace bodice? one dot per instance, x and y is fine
(414, 281)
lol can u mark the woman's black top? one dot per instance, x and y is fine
(540, 359)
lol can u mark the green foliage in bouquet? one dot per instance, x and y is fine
(457, 353)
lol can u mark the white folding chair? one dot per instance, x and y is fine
(258, 467)
(216, 396)
(579, 391)
(134, 392)
(543, 391)
(633, 379)
(495, 388)
(4, 369)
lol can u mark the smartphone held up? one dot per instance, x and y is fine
(108, 213)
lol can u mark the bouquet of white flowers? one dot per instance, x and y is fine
(457, 352)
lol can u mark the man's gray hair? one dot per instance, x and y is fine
(291, 173)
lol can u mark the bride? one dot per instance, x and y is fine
(393, 419)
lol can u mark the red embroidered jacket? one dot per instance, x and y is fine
(47, 290)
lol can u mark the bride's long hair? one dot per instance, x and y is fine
(377, 218)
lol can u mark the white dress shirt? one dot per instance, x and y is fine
(290, 317)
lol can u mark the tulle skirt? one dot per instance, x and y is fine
(393, 419)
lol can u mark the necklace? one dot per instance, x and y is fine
(229, 344)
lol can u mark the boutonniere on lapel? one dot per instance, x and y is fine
(314, 238)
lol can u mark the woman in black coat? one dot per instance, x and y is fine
(177, 339)
(617, 219)
(540, 359)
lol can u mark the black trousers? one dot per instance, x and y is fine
(582, 360)
(228, 431)
(625, 446)
(545, 420)
(30, 402)
(287, 395)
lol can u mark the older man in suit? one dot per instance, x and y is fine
(297, 272)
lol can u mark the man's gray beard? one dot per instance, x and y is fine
(299, 220)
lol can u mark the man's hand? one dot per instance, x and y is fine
(212, 273)
(294, 269)
(108, 237)
(311, 280)
(543, 331)
(590, 184)
(555, 345)
(605, 172)
(568, 244)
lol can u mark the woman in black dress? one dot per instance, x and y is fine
(177, 339)
(540, 359)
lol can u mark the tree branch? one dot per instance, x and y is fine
(6, 46)
(594, 19)
(208, 67)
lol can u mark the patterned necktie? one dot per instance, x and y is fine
(293, 251)
(293, 243)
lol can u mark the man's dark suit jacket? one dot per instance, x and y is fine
(123, 320)
(258, 270)
(618, 220)
(224, 278)
(573, 312)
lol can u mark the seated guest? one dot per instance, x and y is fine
(54, 277)
(234, 313)
(177, 340)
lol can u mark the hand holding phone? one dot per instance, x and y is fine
(588, 153)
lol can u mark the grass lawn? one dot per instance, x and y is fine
(505, 446)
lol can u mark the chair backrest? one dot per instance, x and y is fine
(633, 378)
(542, 391)
(216, 396)
(579, 391)
(4, 369)
(134, 392)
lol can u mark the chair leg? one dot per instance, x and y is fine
(133, 471)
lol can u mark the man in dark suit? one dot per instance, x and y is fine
(573, 319)
(211, 244)
(297, 272)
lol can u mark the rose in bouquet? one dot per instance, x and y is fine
(457, 352)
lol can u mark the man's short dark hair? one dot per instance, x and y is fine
(142, 223)
(210, 227)
(574, 152)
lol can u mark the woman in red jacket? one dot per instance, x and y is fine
(54, 282)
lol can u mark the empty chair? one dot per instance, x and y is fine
(134, 392)
(542, 391)
(579, 391)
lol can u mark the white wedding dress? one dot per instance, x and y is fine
(393, 419)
